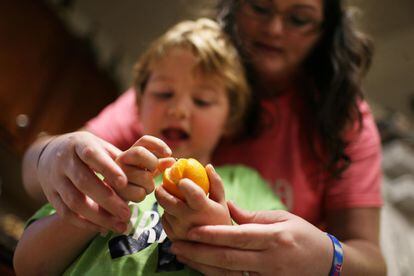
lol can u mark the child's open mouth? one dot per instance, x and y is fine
(174, 136)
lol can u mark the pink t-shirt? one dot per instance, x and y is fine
(280, 155)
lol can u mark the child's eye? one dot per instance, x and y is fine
(163, 95)
(202, 102)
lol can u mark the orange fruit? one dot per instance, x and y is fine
(185, 168)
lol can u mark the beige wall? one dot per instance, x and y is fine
(390, 81)
(129, 25)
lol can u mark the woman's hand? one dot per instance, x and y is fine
(264, 243)
(66, 172)
(197, 209)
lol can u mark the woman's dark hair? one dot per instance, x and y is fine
(334, 72)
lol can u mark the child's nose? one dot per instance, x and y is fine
(178, 110)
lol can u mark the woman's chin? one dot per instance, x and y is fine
(268, 68)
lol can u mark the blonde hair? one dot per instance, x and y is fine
(216, 56)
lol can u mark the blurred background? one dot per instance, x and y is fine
(62, 61)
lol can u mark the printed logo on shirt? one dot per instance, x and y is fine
(283, 189)
(148, 231)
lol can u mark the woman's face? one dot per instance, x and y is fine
(277, 35)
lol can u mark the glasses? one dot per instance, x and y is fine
(292, 22)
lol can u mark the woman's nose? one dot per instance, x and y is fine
(275, 25)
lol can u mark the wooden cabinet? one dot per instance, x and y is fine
(49, 81)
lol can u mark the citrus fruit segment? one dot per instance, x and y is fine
(185, 168)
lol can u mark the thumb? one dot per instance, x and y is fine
(216, 185)
(241, 216)
(164, 163)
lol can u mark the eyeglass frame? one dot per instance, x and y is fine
(259, 13)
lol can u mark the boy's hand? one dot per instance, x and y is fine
(197, 209)
(141, 163)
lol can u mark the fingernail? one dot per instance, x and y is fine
(167, 151)
(212, 168)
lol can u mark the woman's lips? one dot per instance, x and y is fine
(268, 49)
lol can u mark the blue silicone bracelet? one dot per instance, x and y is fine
(338, 257)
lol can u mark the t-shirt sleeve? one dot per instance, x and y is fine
(45, 211)
(118, 123)
(360, 184)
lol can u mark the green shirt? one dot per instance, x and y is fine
(143, 250)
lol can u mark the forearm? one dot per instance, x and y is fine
(362, 257)
(48, 246)
(29, 168)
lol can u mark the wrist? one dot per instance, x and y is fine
(43, 149)
(338, 256)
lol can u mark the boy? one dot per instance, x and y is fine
(191, 93)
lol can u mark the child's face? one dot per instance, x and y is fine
(187, 110)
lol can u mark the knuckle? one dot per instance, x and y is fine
(148, 182)
(244, 243)
(139, 151)
(283, 238)
(107, 192)
(88, 152)
(227, 259)
(286, 239)
(107, 196)
(80, 178)
(72, 202)
(64, 212)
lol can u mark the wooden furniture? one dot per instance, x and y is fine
(49, 82)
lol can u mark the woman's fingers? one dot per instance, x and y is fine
(216, 256)
(76, 205)
(63, 211)
(98, 159)
(246, 236)
(211, 270)
(91, 186)
(241, 216)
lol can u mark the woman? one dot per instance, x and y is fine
(317, 147)
(309, 49)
